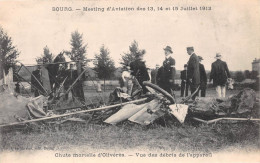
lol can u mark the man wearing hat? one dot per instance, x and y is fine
(193, 72)
(184, 82)
(203, 78)
(54, 68)
(139, 71)
(167, 71)
(219, 74)
(154, 73)
(71, 75)
(36, 80)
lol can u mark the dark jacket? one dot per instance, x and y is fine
(154, 75)
(219, 73)
(36, 81)
(71, 77)
(203, 76)
(54, 68)
(193, 69)
(169, 69)
(159, 76)
(139, 70)
(184, 75)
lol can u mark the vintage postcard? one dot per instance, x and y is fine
(132, 81)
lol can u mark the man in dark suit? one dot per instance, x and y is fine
(139, 71)
(193, 72)
(219, 74)
(36, 81)
(71, 74)
(184, 82)
(203, 78)
(167, 72)
(53, 70)
(154, 74)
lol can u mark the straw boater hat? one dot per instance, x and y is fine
(218, 56)
(168, 48)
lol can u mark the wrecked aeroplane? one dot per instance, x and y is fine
(143, 109)
(18, 110)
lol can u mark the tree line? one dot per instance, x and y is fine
(104, 65)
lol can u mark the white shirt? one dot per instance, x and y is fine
(126, 75)
(167, 56)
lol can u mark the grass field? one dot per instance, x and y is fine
(126, 136)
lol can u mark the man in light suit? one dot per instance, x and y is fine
(219, 73)
(193, 71)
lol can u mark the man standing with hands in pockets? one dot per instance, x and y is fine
(193, 72)
(219, 73)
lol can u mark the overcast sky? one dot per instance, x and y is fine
(231, 28)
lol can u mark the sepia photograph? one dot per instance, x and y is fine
(133, 81)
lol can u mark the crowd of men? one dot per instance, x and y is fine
(48, 79)
(58, 77)
(193, 77)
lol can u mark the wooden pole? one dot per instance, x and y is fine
(225, 118)
(87, 60)
(73, 113)
(75, 82)
(28, 82)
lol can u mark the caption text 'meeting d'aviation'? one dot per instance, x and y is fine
(150, 9)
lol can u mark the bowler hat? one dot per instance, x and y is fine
(190, 48)
(218, 56)
(168, 48)
(185, 65)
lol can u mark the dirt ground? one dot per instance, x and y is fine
(85, 137)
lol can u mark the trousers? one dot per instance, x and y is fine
(184, 86)
(221, 91)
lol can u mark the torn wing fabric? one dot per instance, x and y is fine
(148, 114)
(12, 107)
(179, 111)
(19, 108)
(124, 113)
(35, 107)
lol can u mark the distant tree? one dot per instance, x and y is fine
(8, 52)
(247, 74)
(78, 48)
(239, 76)
(46, 57)
(105, 66)
(233, 74)
(254, 74)
(130, 56)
